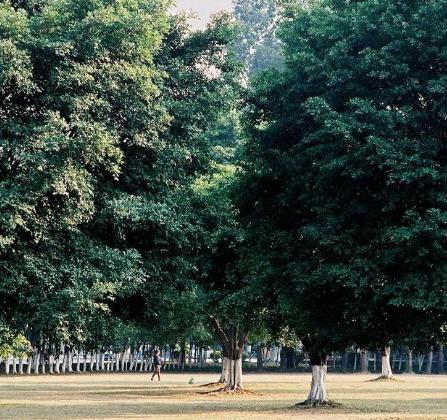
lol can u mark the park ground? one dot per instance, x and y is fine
(273, 396)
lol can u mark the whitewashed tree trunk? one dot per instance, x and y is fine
(14, 366)
(318, 395)
(51, 363)
(123, 361)
(101, 361)
(7, 365)
(225, 370)
(42, 358)
(84, 365)
(57, 363)
(387, 372)
(234, 379)
(78, 360)
(92, 359)
(64, 362)
(142, 360)
(421, 358)
(21, 362)
(36, 363)
(29, 365)
(117, 361)
(428, 368)
(233, 341)
(70, 361)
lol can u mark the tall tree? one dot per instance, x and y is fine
(257, 45)
(151, 208)
(345, 182)
(79, 86)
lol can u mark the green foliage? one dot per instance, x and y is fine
(257, 45)
(12, 345)
(104, 106)
(344, 190)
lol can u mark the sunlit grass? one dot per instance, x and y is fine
(118, 396)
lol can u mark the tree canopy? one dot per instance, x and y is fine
(344, 183)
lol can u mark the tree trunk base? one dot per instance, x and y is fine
(318, 403)
(384, 378)
(229, 391)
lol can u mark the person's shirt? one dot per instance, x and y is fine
(156, 360)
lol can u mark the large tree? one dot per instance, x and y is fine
(257, 45)
(152, 207)
(79, 84)
(344, 190)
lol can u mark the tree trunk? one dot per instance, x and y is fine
(428, 367)
(287, 358)
(142, 363)
(345, 360)
(64, 362)
(441, 359)
(225, 370)
(84, 365)
(21, 366)
(57, 362)
(117, 361)
(233, 342)
(29, 364)
(318, 395)
(234, 379)
(92, 361)
(387, 372)
(7, 365)
(259, 358)
(409, 365)
(101, 361)
(190, 354)
(51, 363)
(36, 363)
(123, 361)
(421, 358)
(182, 356)
(364, 361)
(43, 362)
(70, 361)
(78, 361)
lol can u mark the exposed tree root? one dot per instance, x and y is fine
(228, 391)
(212, 384)
(384, 378)
(317, 403)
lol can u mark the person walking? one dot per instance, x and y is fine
(157, 365)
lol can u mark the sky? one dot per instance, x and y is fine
(203, 8)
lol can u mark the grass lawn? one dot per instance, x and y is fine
(133, 396)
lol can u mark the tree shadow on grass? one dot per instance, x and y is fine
(262, 408)
(131, 409)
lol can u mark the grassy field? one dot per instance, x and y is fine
(133, 396)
